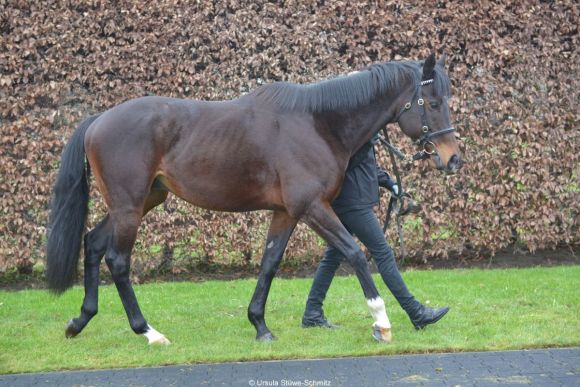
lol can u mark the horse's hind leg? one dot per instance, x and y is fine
(280, 230)
(96, 242)
(125, 225)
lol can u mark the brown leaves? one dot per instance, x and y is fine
(513, 66)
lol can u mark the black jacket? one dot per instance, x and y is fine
(360, 188)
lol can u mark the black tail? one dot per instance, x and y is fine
(68, 213)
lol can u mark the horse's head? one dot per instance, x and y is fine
(424, 116)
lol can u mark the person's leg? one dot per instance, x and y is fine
(313, 314)
(366, 227)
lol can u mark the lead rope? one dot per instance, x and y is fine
(396, 202)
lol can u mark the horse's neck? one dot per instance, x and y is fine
(361, 124)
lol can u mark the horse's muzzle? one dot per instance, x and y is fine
(454, 164)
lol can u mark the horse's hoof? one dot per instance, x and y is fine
(71, 330)
(155, 338)
(266, 337)
(160, 341)
(382, 335)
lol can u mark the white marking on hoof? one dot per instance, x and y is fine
(379, 313)
(155, 337)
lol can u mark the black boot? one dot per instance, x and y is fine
(425, 316)
(315, 318)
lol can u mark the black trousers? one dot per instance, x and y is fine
(363, 224)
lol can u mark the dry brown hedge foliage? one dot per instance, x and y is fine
(514, 67)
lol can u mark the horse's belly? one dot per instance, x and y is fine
(234, 195)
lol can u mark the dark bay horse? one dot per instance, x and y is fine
(283, 147)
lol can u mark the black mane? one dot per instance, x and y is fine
(349, 91)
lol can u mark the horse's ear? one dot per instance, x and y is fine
(428, 67)
(441, 61)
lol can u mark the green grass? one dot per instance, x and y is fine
(206, 322)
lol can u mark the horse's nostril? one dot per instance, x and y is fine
(453, 163)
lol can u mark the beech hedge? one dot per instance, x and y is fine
(514, 68)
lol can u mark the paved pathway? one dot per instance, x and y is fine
(553, 367)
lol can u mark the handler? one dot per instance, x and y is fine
(354, 207)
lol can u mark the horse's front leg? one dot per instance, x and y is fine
(281, 228)
(324, 221)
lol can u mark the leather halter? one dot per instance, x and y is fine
(428, 135)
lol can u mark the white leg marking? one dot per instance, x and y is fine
(377, 308)
(155, 337)
(270, 245)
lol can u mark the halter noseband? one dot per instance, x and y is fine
(425, 140)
